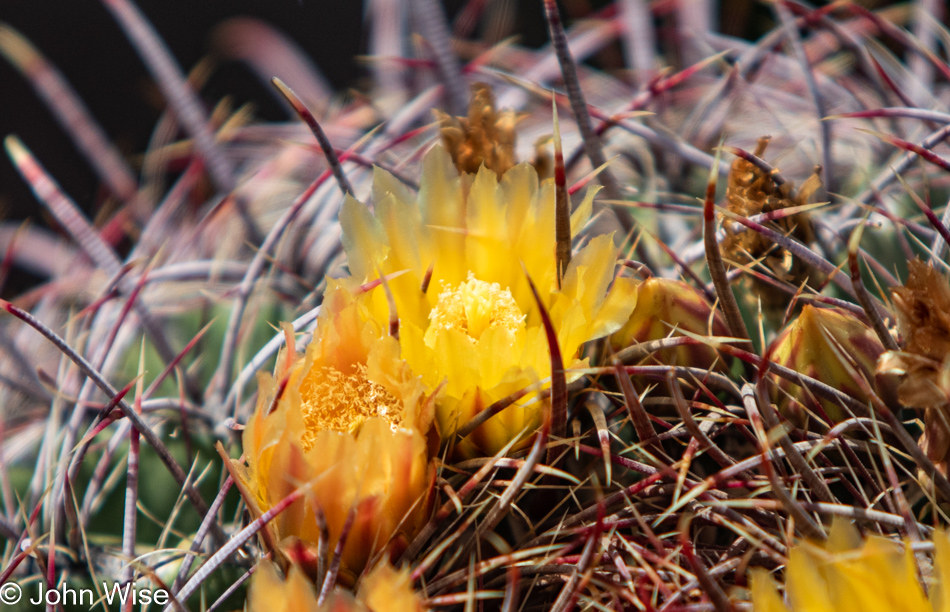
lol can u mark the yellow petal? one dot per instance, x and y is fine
(843, 536)
(266, 590)
(299, 592)
(486, 232)
(458, 365)
(385, 589)
(442, 209)
(615, 309)
(846, 575)
(765, 597)
(385, 184)
(940, 592)
(807, 589)
(497, 353)
(363, 239)
(581, 214)
(402, 227)
(518, 186)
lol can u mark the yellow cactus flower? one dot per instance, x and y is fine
(386, 589)
(846, 575)
(383, 589)
(268, 593)
(468, 320)
(351, 421)
(663, 304)
(829, 345)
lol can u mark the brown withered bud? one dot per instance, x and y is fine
(486, 136)
(543, 161)
(923, 320)
(751, 191)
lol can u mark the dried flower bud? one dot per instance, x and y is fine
(831, 346)
(750, 191)
(484, 137)
(923, 320)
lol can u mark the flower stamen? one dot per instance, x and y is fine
(474, 307)
(342, 402)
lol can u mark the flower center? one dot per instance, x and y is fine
(474, 307)
(341, 402)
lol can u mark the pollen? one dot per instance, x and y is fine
(474, 307)
(341, 402)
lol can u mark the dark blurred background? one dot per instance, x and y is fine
(83, 40)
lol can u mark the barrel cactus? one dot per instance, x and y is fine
(618, 321)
